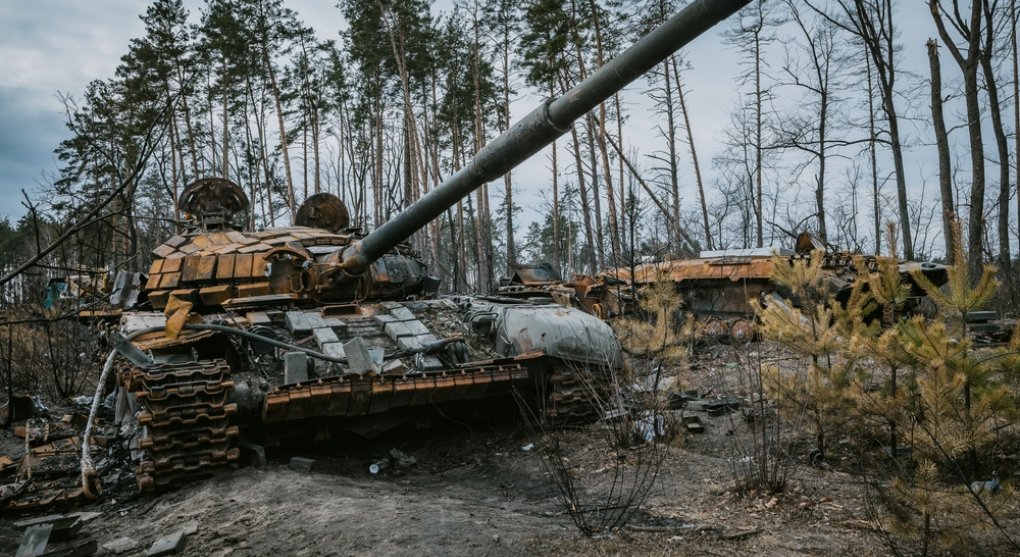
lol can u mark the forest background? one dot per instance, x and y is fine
(832, 117)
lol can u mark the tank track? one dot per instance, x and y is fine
(184, 421)
(571, 401)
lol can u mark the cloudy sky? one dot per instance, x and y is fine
(54, 47)
(49, 47)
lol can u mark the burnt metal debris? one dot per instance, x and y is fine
(721, 289)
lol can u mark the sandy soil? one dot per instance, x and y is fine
(483, 495)
(483, 491)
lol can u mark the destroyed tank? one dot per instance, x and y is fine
(309, 329)
(263, 335)
(720, 289)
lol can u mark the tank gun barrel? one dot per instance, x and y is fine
(542, 126)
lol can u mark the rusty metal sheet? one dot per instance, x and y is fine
(158, 298)
(172, 265)
(297, 402)
(281, 240)
(361, 395)
(253, 289)
(56, 476)
(201, 241)
(206, 267)
(170, 280)
(186, 294)
(153, 281)
(258, 266)
(190, 271)
(216, 295)
(175, 241)
(225, 267)
(242, 265)
(255, 247)
(219, 239)
(403, 392)
(163, 250)
(382, 396)
(177, 311)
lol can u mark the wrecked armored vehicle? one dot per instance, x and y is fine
(263, 335)
(720, 288)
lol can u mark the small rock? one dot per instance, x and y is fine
(302, 464)
(189, 528)
(120, 545)
(495, 538)
(86, 516)
(170, 544)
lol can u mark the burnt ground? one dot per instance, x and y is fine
(481, 490)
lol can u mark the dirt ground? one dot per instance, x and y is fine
(483, 490)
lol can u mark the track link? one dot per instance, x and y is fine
(184, 419)
(577, 395)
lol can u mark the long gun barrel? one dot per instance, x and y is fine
(542, 126)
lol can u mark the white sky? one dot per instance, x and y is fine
(51, 46)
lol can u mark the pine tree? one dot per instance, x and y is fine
(809, 325)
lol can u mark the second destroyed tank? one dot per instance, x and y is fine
(721, 288)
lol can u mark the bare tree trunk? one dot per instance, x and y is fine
(1002, 146)
(582, 187)
(278, 103)
(226, 126)
(263, 147)
(174, 148)
(873, 158)
(969, 67)
(187, 121)
(377, 178)
(596, 199)
(694, 158)
(483, 243)
(1016, 93)
(624, 226)
(614, 228)
(758, 210)
(942, 146)
(901, 180)
(315, 149)
(671, 155)
(556, 240)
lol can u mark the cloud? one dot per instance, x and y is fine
(46, 47)
(28, 134)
